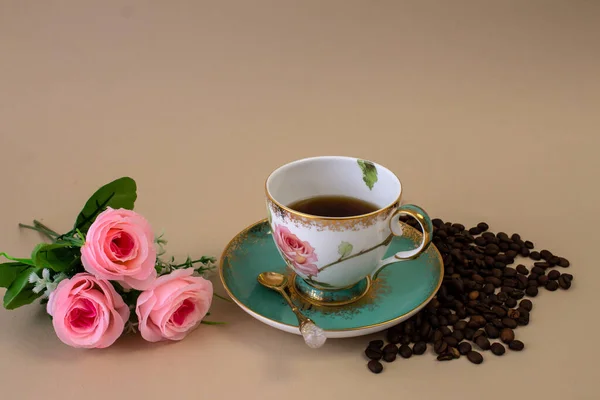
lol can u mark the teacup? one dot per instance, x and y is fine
(336, 258)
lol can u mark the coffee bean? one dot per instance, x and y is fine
(482, 342)
(480, 241)
(452, 319)
(517, 294)
(502, 236)
(510, 272)
(563, 262)
(482, 226)
(564, 283)
(445, 331)
(460, 325)
(512, 253)
(500, 258)
(419, 348)
(551, 286)
(451, 341)
(454, 351)
(507, 335)
(492, 331)
(524, 252)
(389, 356)
(458, 335)
(440, 347)
(546, 254)
(405, 339)
(373, 353)
(492, 249)
(464, 348)
(474, 231)
(475, 357)
(526, 304)
(512, 313)
(542, 264)
(538, 270)
(533, 277)
(509, 323)
(516, 345)
(529, 244)
(477, 278)
(474, 295)
(499, 311)
(534, 255)
(393, 336)
(376, 343)
(568, 277)
(405, 351)
(502, 296)
(553, 260)
(390, 348)
(445, 357)
(498, 349)
(510, 302)
(553, 275)
(543, 279)
(531, 291)
(437, 336)
(476, 321)
(504, 246)
(522, 269)
(375, 366)
(488, 288)
(469, 333)
(494, 281)
(515, 247)
(497, 273)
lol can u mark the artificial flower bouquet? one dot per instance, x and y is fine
(106, 277)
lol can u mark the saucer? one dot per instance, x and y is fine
(399, 291)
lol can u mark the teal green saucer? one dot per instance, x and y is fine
(399, 292)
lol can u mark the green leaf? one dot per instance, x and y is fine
(120, 193)
(21, 260)
(55, 256)
(213, 323)
(20, 292)
(369, 173)
(9, 272)
(344, 249)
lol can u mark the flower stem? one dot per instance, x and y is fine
(222, 298)
(385, 242)
(40, 230)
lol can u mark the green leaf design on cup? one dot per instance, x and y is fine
(369, 173)
(344, 249)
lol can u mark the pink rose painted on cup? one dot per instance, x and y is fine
(301, 254)
(173, 306)
(87, 312)
(119, 246)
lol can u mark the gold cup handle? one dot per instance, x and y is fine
(427, 227)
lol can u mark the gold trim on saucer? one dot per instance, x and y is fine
(320, 302)
(237, 239)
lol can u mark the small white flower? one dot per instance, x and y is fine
(45, 283)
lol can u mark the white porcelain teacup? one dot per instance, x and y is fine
(336, 257)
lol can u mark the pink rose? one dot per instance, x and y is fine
(173, 306)
(300, 254)
(119, 246)
(87, 312)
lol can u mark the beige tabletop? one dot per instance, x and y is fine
(488, 111)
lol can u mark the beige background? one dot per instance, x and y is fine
(486, 110)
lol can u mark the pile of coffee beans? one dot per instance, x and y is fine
(481, 300)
